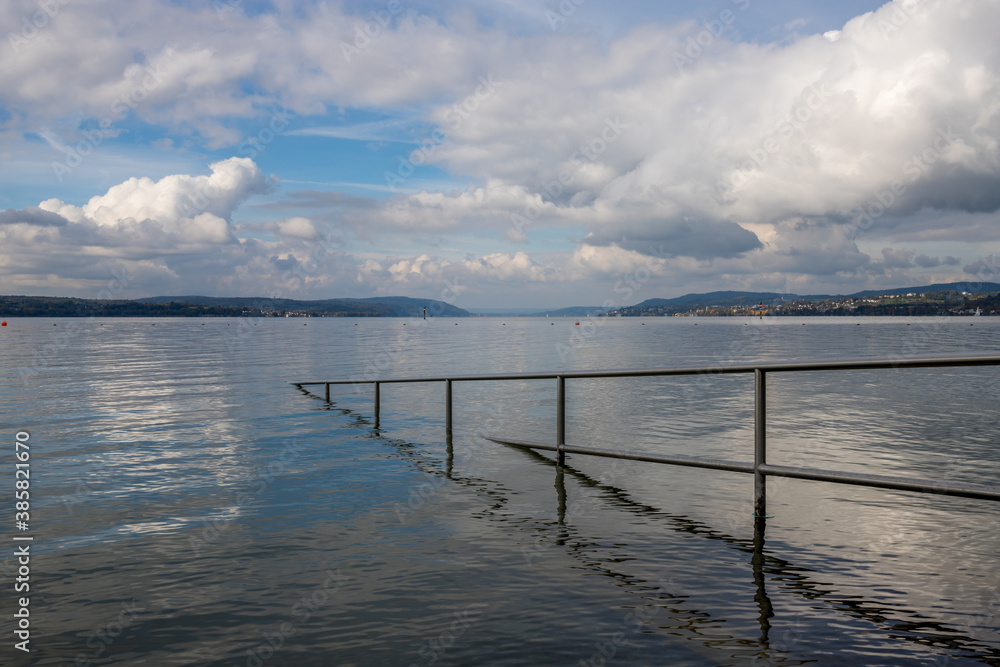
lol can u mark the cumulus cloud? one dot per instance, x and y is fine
(898, 259)
(728, 147)
(31, 215)
(698, 238)
(298, 227)
(930, 262)
(508, 268)
(761, 152)
(187, 66)
(162, 229)
(748, 162)
(191, 208)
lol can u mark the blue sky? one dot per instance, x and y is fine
(531, 154)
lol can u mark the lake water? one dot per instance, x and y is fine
(191, 506)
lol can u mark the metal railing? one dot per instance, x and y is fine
(759, 467)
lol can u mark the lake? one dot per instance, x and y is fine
(191, 506)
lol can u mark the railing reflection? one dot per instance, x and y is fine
(766, 568)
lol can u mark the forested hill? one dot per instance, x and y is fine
(207, 306)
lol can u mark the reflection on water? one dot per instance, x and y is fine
(769, 570)
(180, 471)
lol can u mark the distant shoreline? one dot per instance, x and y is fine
(200, 306)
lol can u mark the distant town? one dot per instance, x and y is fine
(947, 302)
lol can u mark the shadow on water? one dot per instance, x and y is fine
(897, 621)
(894, 620)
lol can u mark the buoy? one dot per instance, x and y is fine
(576, 323)
(3, 324)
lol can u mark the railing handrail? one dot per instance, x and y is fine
(857, 363)
(880, 481)
(759, 467)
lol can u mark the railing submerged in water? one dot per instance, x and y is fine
(759, 467)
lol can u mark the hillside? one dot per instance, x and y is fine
(207, 306)
(944, 298)
(380, 306)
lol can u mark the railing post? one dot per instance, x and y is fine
(327, 392)
(561, 419)
(377, 404)
(447, 407)
(759, 444)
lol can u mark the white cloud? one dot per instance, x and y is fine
(752, 135)
(192, 64)
(298, 227)
(159, 228)
(194, 209)
(754, 151)
(745, 163)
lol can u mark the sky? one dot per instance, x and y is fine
(499, 154)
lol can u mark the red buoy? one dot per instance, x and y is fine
(3, 324)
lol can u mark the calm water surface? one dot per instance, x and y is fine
(191, 506)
